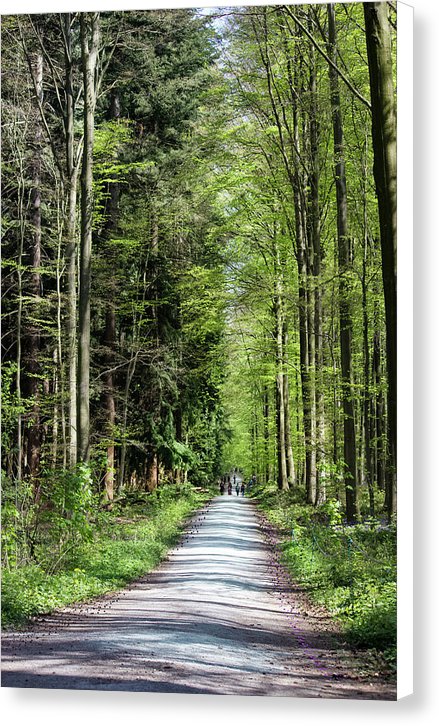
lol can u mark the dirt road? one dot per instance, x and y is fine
(217, 617)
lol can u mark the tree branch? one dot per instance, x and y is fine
(346, 80)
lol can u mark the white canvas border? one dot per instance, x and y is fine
(405, 349)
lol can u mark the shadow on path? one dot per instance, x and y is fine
(212, 618)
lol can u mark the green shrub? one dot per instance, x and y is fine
(349, 570)
(122, 547)
(63, 521)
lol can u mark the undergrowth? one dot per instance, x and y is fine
(350, 570)
(123, 545)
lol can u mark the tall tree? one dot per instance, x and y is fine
(90, 39)
(282, 470)
(379, 53)
(344, 267)
(32, 349)
(73, 153)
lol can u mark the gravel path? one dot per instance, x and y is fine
(218, 616)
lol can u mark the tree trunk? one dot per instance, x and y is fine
(379, 411)
(34, 431)
(153, 473)
(304, 374)
(110, 327)
(311, 452)
(123, 448)
(291, 469)
(72, 172)
(18, 376)
(255, 441)
(335, 396)
(178, 423)
(110, 407)
(303, 329)
(379, 55)
(314, 227)
(366, 367)
(344, 266)
(282, 476)
(266, 418)
(71, 252)
(90, 31)
(59, 381)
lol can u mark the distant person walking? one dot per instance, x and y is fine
(237, 488)
(242, 489)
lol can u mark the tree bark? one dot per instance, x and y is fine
(18, 377)
(123, 448)
(367, 459)
(282, 476)
(291, 469)
(153, 473)
(379, 412)
(378, 40)
(266, 419)
(90, 33)
(110, 406)
(314, 227)
(311, 393)
(366, 399)
(303, 267)
(72, 171)
(71, 252)
(344, 266)
(110, 329)
(32, 354)
(302, 271)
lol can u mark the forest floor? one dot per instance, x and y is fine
(218, 616)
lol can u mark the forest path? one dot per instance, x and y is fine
(217, 617)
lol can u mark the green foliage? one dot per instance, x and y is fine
(349, 570)
(332, 510)
(63, 518)
(182, 456)
(12, 405)
(18, 522)
(112, 141)
(9, 534)
(126, 544)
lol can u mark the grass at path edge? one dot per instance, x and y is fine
(125, 546)
(356, 588)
